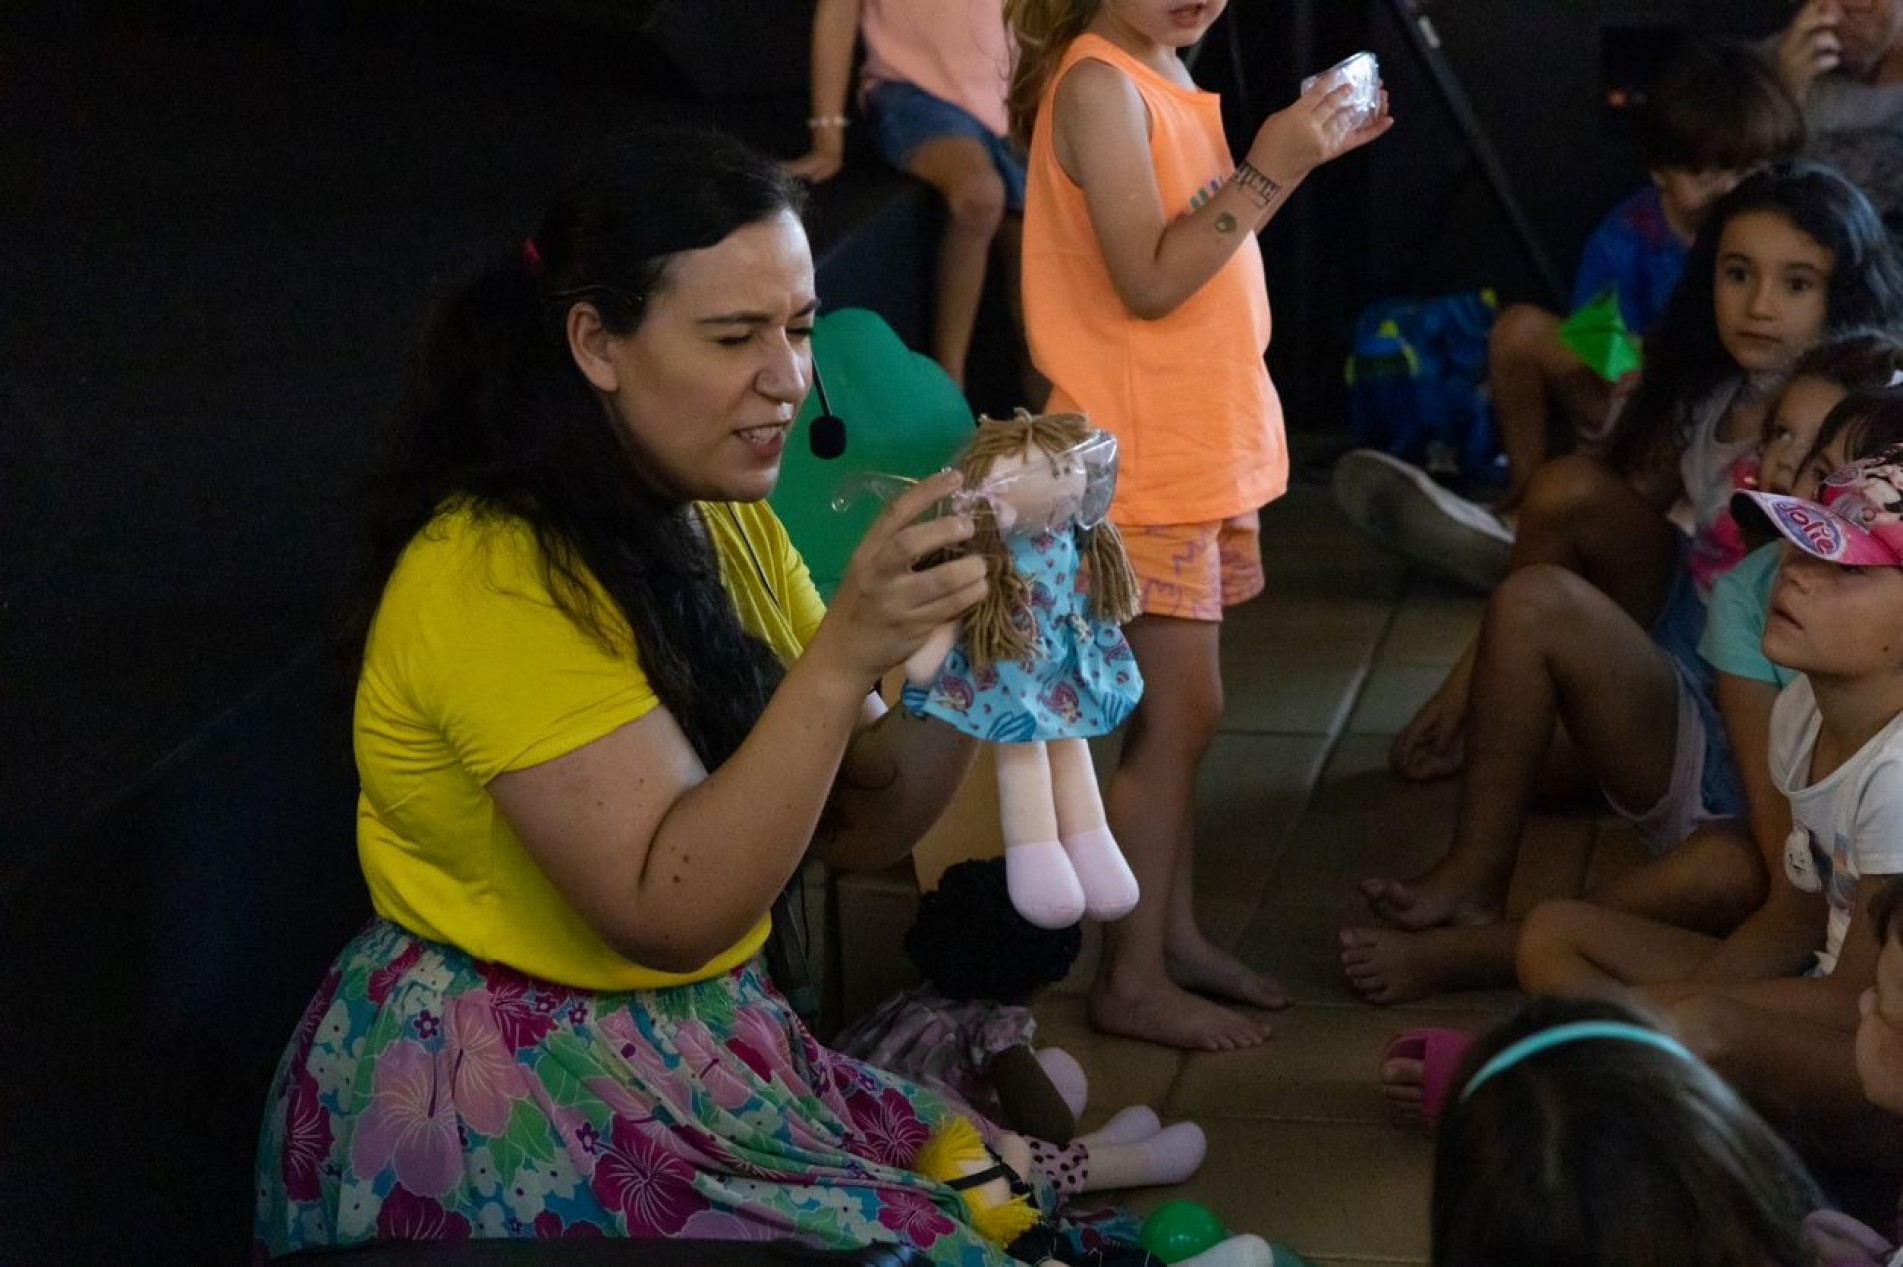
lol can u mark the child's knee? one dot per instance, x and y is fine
(1550, 931)
(976, 200)
(1566, 485)
(1521, 332)
(1184, 719)
(1534, 602)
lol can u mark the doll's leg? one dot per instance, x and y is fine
(1072, 1083)
(1037, 871)
(1110, 891)
(1126, 1126)
(1169, 1155)
(1246, 1250)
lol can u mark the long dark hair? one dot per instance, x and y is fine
(498, 415)
(1608, 1153)
(1685, 362)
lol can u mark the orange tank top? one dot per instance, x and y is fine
(1188, 396)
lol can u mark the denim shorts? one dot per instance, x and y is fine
(904, 118)
(1704, 782)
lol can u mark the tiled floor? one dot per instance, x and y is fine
(1297, 804)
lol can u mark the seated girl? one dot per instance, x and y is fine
(1793, 255)
(1640, 716)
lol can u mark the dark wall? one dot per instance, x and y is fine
(1411, 214)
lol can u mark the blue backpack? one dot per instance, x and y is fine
(1417, 372)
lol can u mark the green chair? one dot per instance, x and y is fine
(903, 416)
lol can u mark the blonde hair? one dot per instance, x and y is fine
(1043, 30)
(1001, 626)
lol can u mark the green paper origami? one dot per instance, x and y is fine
(1597, 335)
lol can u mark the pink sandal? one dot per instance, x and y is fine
(1440, 1052)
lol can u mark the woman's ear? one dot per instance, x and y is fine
(592, 345)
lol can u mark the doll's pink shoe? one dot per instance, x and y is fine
(1042, 884)
(1110, 890)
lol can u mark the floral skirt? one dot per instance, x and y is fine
(430, 1096)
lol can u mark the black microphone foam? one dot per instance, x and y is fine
(827, 436)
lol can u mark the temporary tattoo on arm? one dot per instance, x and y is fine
(1262, 189)
(1225, 223)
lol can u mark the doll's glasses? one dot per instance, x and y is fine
(1092, 461)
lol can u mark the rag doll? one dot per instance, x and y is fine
(993, 1181)
(1041, 665)
(967, 1034)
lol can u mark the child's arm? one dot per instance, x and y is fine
(835, 30)
(1780, 935)
(1101, 134)
(1829, 1001)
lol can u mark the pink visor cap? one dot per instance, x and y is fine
(1857, 519)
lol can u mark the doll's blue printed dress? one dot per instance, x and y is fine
(1080, 681)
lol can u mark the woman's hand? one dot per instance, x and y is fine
(1317, 127)
(1809, 47)
(886, 605)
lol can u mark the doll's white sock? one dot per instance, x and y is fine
(1043, 884)
(1169, 1156)
(1126, 1126)
(1247, 1250)
(1067, 1076)
(1110, 890)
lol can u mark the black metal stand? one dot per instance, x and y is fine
(1417, 29)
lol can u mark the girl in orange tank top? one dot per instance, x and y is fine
(1145, 307)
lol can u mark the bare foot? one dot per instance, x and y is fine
(1392, 965)
(1202, 967)
(1167, 1014)
(1402, 1083)
(1417, 904)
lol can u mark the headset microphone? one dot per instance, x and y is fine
(827, 435)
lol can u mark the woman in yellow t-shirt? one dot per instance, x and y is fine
(601, 717)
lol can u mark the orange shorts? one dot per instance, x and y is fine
(1193, 571)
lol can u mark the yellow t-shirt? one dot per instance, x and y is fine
(471, 670)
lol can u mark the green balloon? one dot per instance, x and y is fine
(1179, 1229)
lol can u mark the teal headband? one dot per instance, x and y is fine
(1560, 1035)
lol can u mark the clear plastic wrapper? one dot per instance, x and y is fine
(1362, 73)
(1087, 472)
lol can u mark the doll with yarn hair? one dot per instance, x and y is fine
(1041, 665)
(967, 1032)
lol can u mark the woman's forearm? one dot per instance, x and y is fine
(897, 777)
(728, 844)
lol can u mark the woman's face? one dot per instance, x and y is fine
(1769, 292)
(1792, 429)
(705, 388)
